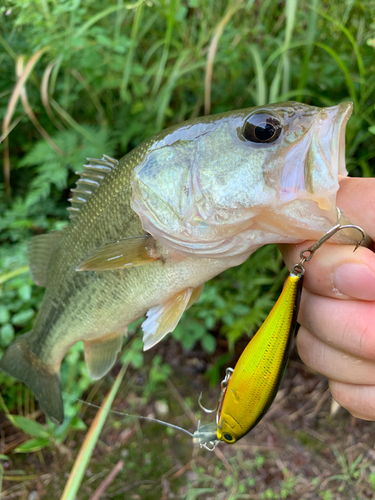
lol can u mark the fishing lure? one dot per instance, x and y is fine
(248, 391)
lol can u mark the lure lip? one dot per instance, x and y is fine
(205, 434)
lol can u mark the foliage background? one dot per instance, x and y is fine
(100, 78)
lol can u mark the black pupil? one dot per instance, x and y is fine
(228, 437)
(264, 131)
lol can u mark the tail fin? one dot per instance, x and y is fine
(20, 362)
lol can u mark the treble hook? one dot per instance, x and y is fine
(307, 254)
(203, 408)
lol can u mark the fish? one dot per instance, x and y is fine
(147, 231)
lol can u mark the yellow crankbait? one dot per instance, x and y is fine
(249, 389)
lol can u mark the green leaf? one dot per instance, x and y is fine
(29, 426)
(6, 335)
(23, 317)
(209, 343)
(372, 129)
(25, 292)
(4, 314)
(137, 360)
(34, 444)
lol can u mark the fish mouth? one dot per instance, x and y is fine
(340, 115)
(326, 158)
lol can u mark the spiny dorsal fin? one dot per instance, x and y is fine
(40, 250)
(91, 177)
(133, 251)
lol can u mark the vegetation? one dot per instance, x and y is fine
(80, 79)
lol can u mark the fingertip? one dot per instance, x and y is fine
(359, 400)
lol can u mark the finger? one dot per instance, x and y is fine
(332, 363)
(336, 271)
(359, 400)
(356, 197)
(344, 325)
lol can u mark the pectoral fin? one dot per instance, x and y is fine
(163, 319)
(134, 251)
(101, 354)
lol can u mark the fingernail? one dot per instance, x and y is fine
(355, 280)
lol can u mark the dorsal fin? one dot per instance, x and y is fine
(91, 177)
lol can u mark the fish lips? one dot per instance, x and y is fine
(311, 164)
(338, 116)
(327, 154)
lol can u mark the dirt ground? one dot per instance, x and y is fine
(299, 451)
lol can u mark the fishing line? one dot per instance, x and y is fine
(140, 417)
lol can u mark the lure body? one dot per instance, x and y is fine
(258, 373)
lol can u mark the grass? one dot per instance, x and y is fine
(80, 79)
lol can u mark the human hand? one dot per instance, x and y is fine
(337, 314)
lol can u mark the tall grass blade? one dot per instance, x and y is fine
(71, 121)
(311, 32)
(286, 73)
(7, 48)
(361, 67)
(92, 95)
(92, 436)
(119, 20)
(168, 89)
(13, 274)
(290, 14)
(167, 41)
(212, 53)
(104, 13)
(292, 95)
(275, 85)
(283, 48)
(129, 59)
(260, 78)
(44, 95)
(344, 69)
(30, 112)
(10, 110)
(11, 127)
(54, 74)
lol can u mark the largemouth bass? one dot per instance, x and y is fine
(149, 230)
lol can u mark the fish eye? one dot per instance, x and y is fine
(262, 128)
(228, 437)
